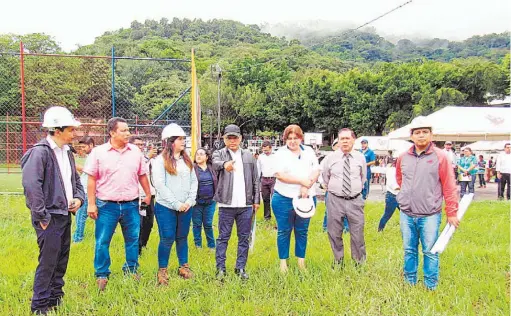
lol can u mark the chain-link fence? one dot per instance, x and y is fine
(149, 93)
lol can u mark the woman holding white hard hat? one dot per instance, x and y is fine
(294, 200)
(176, 190)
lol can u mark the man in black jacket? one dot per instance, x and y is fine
(237, 195)
(52, 190)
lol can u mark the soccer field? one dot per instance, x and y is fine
(474, 274)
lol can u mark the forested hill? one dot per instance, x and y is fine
(365, 46)
(357, 79)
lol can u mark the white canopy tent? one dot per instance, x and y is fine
(465, 124)
(381, 145)
(488, 146)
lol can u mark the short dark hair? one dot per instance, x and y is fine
(134, 138)
(61, 129)
(266, 143)
(507, 144)
(345, 129)
(111, 126)
(87, 140)
(481, 156)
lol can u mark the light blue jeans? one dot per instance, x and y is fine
(425, 230)
(109, 214)
(81, 218)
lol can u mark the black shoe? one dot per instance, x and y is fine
(241, 273)
(43, 311)
(220, 274)
(54, 303)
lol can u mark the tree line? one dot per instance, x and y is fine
(357, 80)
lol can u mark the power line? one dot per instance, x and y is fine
(337, 36)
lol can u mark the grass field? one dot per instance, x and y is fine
(472, 276)
(11, 183)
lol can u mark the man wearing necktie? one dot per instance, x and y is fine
(344, 174)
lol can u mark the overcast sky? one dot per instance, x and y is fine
(74, 23)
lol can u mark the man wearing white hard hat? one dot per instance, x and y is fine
(426, 178)
(52, 190)
(176, 186)
(344, 174)
(115, 171)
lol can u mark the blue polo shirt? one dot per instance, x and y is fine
(370, 156)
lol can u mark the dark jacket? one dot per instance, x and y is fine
(213, 174)
(223, 192)
(43, 184)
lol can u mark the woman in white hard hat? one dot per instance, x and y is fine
(296, 170)
(176, 190)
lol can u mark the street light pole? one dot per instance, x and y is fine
(219, 71)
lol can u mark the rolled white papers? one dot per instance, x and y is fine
(448, 231)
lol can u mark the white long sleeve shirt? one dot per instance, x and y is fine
(503, 163)
(391, 185)
(265, 165)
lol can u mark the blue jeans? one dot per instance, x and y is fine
(365, 189)
(81, 217)
(109, 214)
(287, 220)
(325, 221)
(202, 215)
(470, 185)
(390, 206)
(425, 230)
(172, 226)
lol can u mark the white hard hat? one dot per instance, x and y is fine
(58, 116)
(420, 122)
(172, 130)
(304, 207)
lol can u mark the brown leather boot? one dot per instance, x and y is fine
(185, 272)
(163, 276)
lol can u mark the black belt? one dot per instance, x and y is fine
(346, 197)
(268, 177)
(123, 202)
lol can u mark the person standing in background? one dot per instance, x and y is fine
(449, 151)
(370, 157)
(467, 166)
(146, 212)
(265, 165)
(503, 168)
(87, 144)
(390, 196)
(481, 164)
(204, 210)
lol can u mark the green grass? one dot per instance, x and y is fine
(10, 182)
(472, 275)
